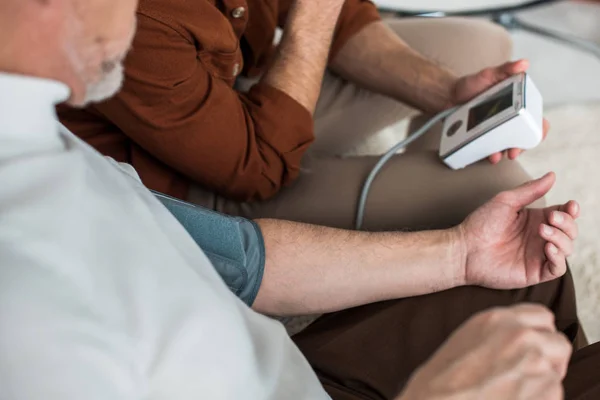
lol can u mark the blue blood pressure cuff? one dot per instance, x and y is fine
(234, 245)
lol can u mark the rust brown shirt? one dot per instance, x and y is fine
(178, 118)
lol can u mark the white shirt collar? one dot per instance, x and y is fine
(28, 121)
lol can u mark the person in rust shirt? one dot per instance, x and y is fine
(214, 113)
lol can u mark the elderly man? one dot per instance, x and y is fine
(194, 126)
(103, 295)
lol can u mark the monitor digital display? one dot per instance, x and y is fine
(501, 101)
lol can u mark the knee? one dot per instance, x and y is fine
(493, 40)
(480, 44)
(464, 45)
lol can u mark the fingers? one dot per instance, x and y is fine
(516, 67)
(526, 194)
(514, 153)
(498, 74)
(558, 238)
(535, 330)
(552, 347)
(509, 69)
(546, 128)
(572, 208)
(556, 265)
(557, 249)
(495, 158)
(550, 389)
(533, 316)
(565, 222)
(511, 154)
(560, 234)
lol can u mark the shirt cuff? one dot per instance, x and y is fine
(284, 124)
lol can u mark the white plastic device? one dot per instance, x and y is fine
(509, 115)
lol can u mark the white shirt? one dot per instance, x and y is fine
(103, 295)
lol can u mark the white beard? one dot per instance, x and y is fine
(107, 86)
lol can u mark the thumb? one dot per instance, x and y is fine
(529, 192)
(507, 70)
(515, 67)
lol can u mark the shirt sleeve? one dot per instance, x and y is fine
(235, 246)
(355, 15)
(244, 146)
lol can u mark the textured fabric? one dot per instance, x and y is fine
(369, 353)
(234, 245)
(103, 294)
(178, 103)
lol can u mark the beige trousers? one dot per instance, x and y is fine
(415, 190)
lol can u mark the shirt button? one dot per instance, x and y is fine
(238, 12)
(236, 69)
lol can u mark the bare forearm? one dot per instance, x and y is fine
(302, 55)
(377, 59)
(312, 269)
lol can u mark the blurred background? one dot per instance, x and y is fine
(569, 79)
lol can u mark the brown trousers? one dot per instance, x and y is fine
(370, 352)
(415, 190)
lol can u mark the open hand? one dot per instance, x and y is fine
(471, 86)
(507, 246)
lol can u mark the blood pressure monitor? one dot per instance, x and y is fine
(509, 115)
